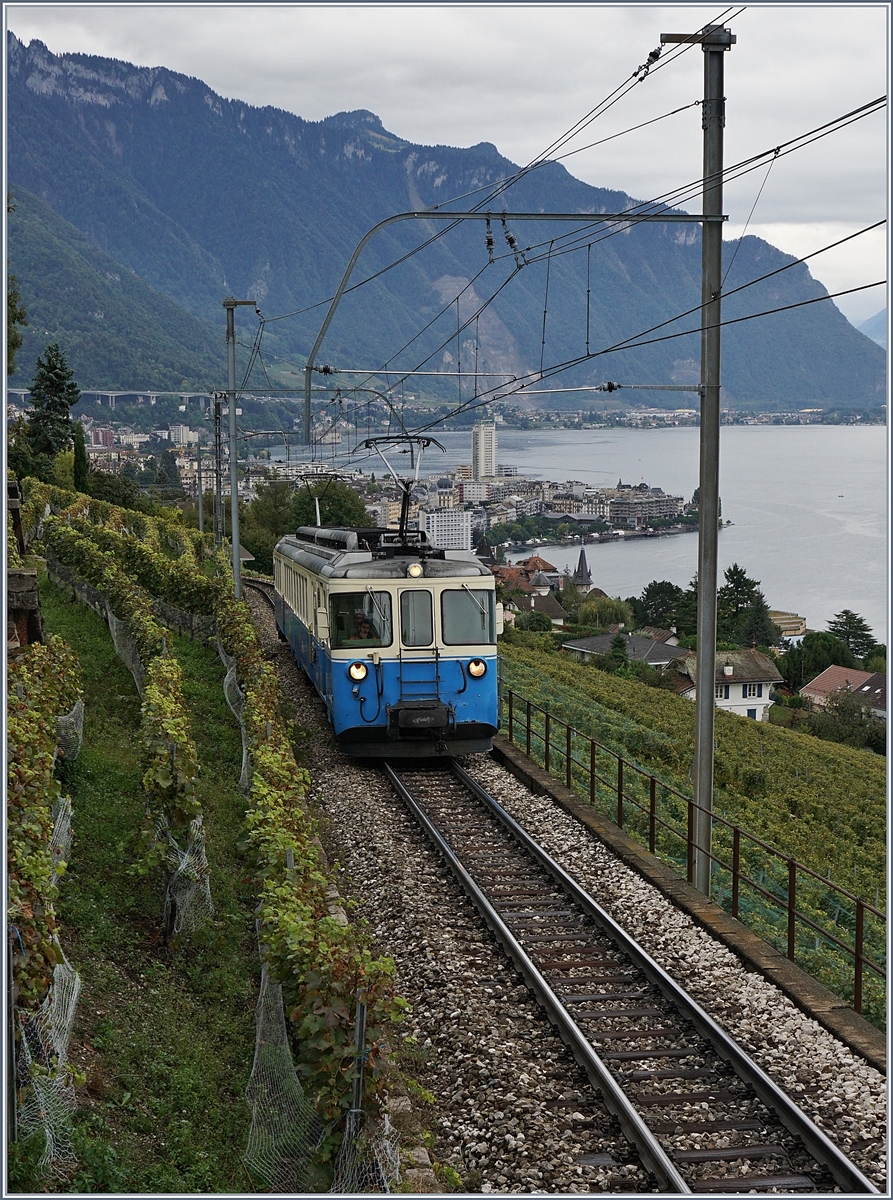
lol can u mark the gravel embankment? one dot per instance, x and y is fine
(504, 1113)
(843, 1094)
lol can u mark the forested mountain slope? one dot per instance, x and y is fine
(202, 196)
(118, 332)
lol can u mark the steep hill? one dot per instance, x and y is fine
(117, 332)
(201, 196)
(876, 328)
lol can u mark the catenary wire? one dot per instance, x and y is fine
(741, 167)
(536, 376)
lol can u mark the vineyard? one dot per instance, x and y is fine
(146, 577)
(780, 797)
(822, 803)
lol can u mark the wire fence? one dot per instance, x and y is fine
(833, 934)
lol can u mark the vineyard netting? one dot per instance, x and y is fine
(44, 1084)
(235, 698)
(285, 1127)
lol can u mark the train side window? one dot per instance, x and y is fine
(467, 616)
(416, 618)
(360, 619)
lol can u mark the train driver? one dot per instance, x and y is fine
(364, 630)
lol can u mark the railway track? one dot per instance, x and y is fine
(267, 590)
(702, 1115)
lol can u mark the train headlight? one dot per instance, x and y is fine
(357, 671)
(414, 570)
(476, 668)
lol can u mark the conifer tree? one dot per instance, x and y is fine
(53, 392)
(855, 631)
(81, 466)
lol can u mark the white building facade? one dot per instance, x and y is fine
(448, 528)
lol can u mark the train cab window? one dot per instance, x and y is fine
(360, 619)
(416, 618)
(468, 616)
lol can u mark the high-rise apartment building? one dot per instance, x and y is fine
(448, 528)
(483, 450)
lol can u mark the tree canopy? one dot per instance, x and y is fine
(742, 614)
(604, 610)
(815, 653)
(81, 465)
(338, 504)
(116, 489)
(660, 600)
(849, 720)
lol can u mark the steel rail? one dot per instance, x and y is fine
(819, 1145)
(653, 1155)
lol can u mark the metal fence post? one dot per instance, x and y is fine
(548, 738)
(591, 771)
(528, 729)
(11, 1080)
(792, 901)
(736, 868)
(620, 791)
(355, 1116)
(860, 933)
(567, 758)
(511, 715)
(652, 813)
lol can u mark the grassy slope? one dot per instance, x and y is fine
(166, 1035)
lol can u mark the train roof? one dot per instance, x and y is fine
(349, 553)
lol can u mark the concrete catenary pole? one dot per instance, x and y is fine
(230, 304)
(715, 40)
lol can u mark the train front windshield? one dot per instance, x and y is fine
(361, 619)
(468, 617)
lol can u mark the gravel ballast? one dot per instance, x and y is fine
(506, 1107)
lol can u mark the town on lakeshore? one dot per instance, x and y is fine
(170, 449)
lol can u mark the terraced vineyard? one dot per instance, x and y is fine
(819, 802)
(814, 801)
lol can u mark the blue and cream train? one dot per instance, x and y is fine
(398, 637)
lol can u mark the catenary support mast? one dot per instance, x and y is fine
(715, 41)
(230, 305)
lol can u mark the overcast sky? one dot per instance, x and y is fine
(521, 75)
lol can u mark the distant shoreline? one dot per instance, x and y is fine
(602, 539)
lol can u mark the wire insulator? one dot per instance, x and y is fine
(490, 241)
(646, 66)
(520, 257)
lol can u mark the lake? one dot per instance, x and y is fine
(808, 506)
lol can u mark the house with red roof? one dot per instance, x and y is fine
(837, 679)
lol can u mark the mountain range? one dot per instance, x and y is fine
(143, 198)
